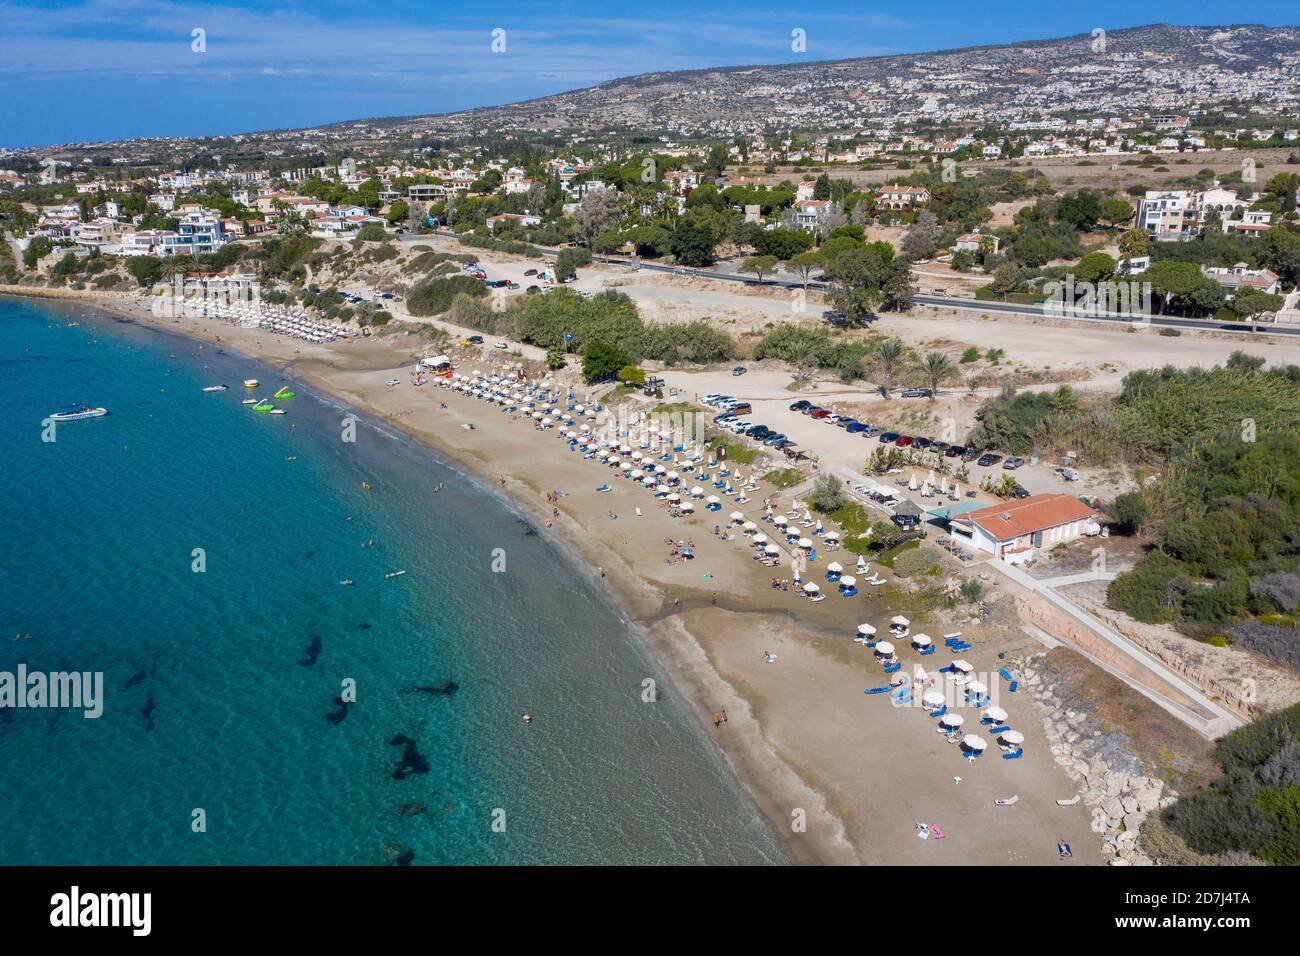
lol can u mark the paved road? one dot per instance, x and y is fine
(1220, 719)
(941, 301)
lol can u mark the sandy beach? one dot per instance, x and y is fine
(843, 777)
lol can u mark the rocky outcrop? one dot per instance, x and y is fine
(1110, 778)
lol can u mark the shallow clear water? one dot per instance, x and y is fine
(218, 684)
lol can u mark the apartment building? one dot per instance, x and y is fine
(1180, 214)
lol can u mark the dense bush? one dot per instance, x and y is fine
(435, 296)
(1254, 805)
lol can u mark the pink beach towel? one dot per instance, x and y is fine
(936, 832)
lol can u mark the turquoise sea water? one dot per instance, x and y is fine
(220, 685)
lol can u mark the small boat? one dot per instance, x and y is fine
(250, 383)
(284, 392)
(393, 381)
(263, 407)
(250, 401)
(216, 388)
(72, 413)
(277, 411)
(394, 574)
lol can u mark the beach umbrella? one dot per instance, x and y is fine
(624, 449)
(911, 485)
(661, 489)
(687, 506)
(834, 567)
(772, 549)
(932, 698)
(996, 713)
(832, 535)
(780, 521)
(673, 476)
(805, 543)
(673, 497)
(760, 539)
(636, 456)
(899, 620)
(737, 517)
(977, 689)
(884, 649)
(974, 743)
(962, 666)
(952, 720)
(921, 640)
(866, 630)
(697, 492)
(1012, 737)
(714, 499)
(848, 581)
(636, 473)
(750, 526)
(811, 588)
(660, 469)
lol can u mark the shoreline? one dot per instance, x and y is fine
(695, 643)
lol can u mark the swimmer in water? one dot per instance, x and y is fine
(528, 718)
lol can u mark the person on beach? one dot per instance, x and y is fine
(1063, 851)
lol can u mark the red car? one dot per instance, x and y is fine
(904, 440)
(819, 413)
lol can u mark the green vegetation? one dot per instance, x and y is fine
(783, 478)
(734, 452)
(1253, 807)
(435, 296)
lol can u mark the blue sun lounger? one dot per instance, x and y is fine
(903, 698)
(946, 669)
(943, 709)
(890, 668)
(1014, 685)
(1015, 754)
(602, 487)
(877, 690)
(998, 730)
(926, 650)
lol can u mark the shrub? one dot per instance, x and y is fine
(435, 296)
(826, 495)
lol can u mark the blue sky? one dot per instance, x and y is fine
(74, 70)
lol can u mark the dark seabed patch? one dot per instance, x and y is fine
(312, 652)
(147, 713)
(443, 688)
(412, 761)
(336, 716)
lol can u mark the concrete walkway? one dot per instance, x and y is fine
(1209, 718)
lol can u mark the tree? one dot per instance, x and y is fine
(1094, 267)
(1081, 210)
(1172, 279)
(1006, 279)
(555, 357)
(1128, 512)
(936, 369)
(785, 244)
(1133, 244)
(1115, 212)
(804, 265)
(372, 232)
(597, 213)
(826, 495)
(822, 187)
(922, 239)
(692, 244)
(889, 358)
(1249, 303)
(398, 212)
(759, 266)
(568, 259)
(146, 269)
(601, 362)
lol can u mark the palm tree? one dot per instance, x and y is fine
(936, 369)
(889, 359)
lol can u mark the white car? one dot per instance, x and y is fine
(501, 345)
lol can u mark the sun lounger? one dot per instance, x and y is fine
(1006, 674)
(926, 650)
(903, 698)
(890, 668)
(947, 669)
(943, 709)
(1015, 754)
(1014, 684)
(602, 487)
(998, 730)
(877, 690)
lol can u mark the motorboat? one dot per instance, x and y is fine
(215, 388)
(250, 383)
(73, 413)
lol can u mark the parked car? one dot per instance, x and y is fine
(819, 413)
(904, 441)
(723, 418)
(1020, 492)
(530, 272)
(1013, 463)
(501, 345)
(740, 408)
(800, 405)
(871, 431)
(954, 451)
(853, 428)
(774, 438)
(939, 446)
(971, 454)
(513, 285)
(475, 339)
(833, 419)
(921, 442)
(739, 370)
(916, 393)
(989, 459)
(888, 438)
